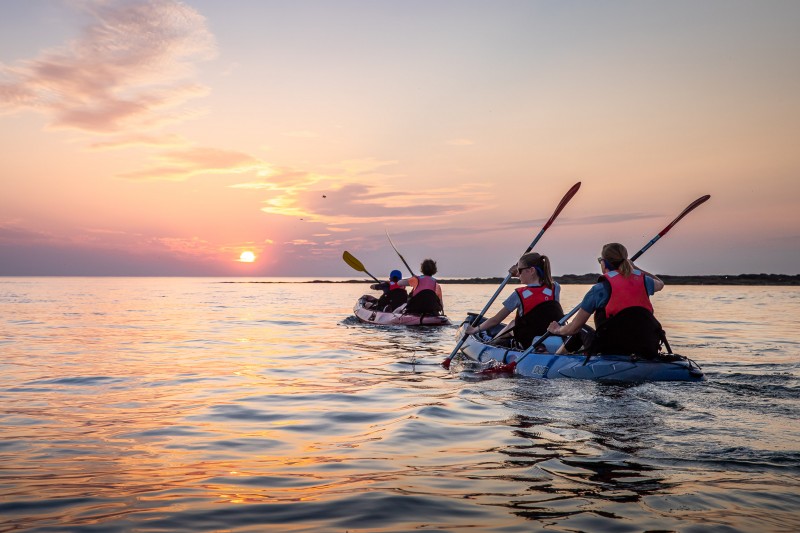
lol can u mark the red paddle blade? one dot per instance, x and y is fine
(499, 370)
(562, 204)
(446, 364)
(685, 212)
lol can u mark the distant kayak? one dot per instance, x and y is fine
(617, 368)
(365, 310)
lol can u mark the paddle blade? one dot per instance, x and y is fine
(669, 227)
(354, 263)
(562, 204)
(499, 370)
(446, 363)
(685, 212)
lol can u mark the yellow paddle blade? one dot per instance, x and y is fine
(353, 262)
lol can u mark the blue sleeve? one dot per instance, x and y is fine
(596, 298)
(650, 285)
(512, 302)
(382, 286)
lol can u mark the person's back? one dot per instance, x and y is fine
(620, 302)
(394, 294)
(534, 322)
(626, 323)
(426, 294)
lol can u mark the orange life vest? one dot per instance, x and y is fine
(533, 296)
(626, 292)
(424, 283)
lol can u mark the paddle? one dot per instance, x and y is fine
(356, 264)
(509, 368)
(669, 227)
(564, 201)
(403, 259)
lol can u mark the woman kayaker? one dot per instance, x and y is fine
(620, 301)
(536, 303)
(394, 294)
(426, 293)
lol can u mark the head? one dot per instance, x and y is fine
(614, 256)
(395, 275)
(428, 267)
(538, 265)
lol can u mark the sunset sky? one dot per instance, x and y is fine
(167, 138)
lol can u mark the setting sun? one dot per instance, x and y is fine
(247, 257)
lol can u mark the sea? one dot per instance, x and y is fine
(249, 405)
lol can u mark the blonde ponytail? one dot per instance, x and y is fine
(617, 255)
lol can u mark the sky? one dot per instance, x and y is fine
(166, 138)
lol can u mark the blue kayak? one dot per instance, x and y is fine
(616, 368)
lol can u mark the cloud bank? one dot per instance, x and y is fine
(127, 67)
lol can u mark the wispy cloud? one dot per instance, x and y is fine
(13, 232)
(329, 201)
(193, 246)
(128, 68)
(127, 141)
(580, 221)
(180, 165)
(355, 202)
(354, 193)
(114, 241)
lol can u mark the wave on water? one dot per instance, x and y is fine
(193, 405)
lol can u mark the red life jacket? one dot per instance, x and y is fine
(626, 292)
(539, 309)
(533, 296)
(424, 283)
(394, 286)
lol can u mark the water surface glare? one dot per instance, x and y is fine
(203, 404)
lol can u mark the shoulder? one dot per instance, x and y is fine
(557, 290)
(594, 297)
(513, 300)
(650, 285)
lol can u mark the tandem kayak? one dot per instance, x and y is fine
(365, 311)
(616, 368)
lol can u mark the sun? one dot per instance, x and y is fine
(247, 257)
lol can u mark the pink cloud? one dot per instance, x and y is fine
(127, 66)
(183, 164)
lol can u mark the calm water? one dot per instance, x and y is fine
(201, 405)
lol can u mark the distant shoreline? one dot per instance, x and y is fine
(588, 279)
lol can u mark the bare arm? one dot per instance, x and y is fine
(491, 322)
(573, 327)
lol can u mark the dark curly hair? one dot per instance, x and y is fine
(428, 267)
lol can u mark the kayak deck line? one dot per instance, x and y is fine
(365, 312)
(600, 367)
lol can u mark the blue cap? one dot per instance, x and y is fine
(395, 274)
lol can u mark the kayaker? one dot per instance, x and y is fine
(620, 301)
(426, 293)
(536, 303)
(394, 294)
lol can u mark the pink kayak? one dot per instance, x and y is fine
(366, 312)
